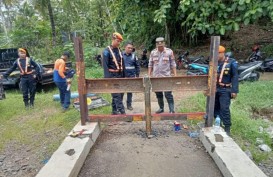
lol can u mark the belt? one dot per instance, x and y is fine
(224, 85)
(114, 70)
(130, 67)
(26, 73)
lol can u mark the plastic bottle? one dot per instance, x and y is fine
(217, 124)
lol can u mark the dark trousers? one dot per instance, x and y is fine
(129, 99)
(28, 87)
(64, 94)
(222, 104)
(117, 104)
(117, 98)
(169, 98)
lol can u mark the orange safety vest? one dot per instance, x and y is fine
(115, 59)
(23, 72)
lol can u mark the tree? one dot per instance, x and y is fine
(43, 6)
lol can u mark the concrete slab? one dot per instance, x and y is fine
(68, 159)
(228, 156)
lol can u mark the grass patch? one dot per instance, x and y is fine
(45, 126)
(245, 129)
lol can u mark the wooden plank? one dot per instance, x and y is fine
(80, 71)
(179, 83)
(115, 85)
(214, 47)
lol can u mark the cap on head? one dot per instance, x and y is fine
(160, 41)
(116, 35)
(222, 49)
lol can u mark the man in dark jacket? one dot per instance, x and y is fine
(132, 68)
(113, 65)
(227, 87)
(28, 71)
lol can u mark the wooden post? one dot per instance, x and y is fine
(80, 68)
(147, 96)
(214, 47)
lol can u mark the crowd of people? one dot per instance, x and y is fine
(125, 64)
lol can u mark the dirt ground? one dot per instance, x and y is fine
(123, 150)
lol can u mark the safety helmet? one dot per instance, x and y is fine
(117, 35)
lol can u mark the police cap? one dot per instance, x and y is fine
(160, 41)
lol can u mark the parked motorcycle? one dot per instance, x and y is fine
(183, 60)
(144, 61)
(247, 72)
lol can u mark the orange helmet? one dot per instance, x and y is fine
(222, 49)
(116, 35)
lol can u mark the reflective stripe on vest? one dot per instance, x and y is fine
(222, 71)
(115, 59)
(21, 69)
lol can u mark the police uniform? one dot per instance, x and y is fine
(161, 64)
(132, 69)
(114, 68)
(227, 83)
(28, 82)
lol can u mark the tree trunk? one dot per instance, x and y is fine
(4, 23)
(167, 35)
(51, 17)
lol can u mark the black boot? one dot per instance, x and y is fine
(26, 104)
(31, 104)
(171, 106)
(161, 105)
(227, 130)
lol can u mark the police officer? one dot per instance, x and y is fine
(161, 63)
(28, 71)
(113, 66)
(227, 87)
(132, 68)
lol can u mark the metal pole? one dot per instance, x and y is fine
(147, 96)
(214, 46)
(80, 68)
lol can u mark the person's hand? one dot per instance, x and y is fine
(233, 95)
(68, 81)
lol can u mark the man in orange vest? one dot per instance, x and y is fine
(227, 87)
(28, 71)
(113, 65)
(62, 82)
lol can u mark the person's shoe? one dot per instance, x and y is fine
(115, 113)
(159, 111)
(172, 111)
(65, 109)
(227, 130)
(130, 108)
(122, 112)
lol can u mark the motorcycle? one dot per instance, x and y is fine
(256, 55)
(246, 72)
(183, 60)
(144, 61)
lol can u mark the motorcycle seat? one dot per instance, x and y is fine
(200, 65)
(268, 59)
(247, 65)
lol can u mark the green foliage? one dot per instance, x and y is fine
(268, 50)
